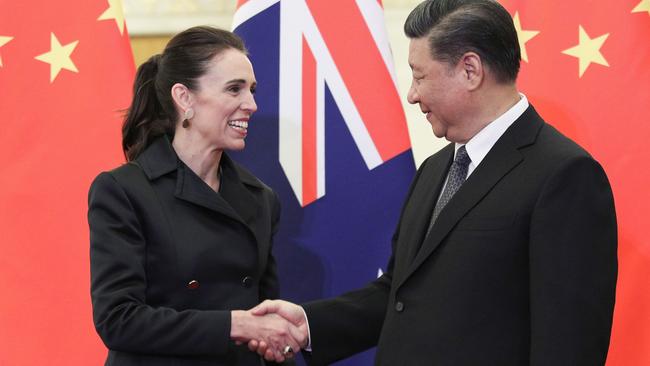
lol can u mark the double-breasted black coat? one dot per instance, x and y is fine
(170, 258)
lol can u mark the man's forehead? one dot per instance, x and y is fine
(418, 53)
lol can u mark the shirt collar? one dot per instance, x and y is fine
(479, 145)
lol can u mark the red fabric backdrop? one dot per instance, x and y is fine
(606, 110)
(58, 131)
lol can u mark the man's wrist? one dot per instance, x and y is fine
(308, 346)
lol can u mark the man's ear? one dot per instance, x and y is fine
(471, 70)
(182, 97)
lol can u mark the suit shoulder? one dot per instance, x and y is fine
(559, 156)
(555, 145)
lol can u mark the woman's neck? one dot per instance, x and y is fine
(203, 160)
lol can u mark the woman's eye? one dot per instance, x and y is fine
(253, 90)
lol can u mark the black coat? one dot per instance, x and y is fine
(170, 258)
(519, 268)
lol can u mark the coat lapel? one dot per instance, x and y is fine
(236, 190)
(239, 196)
(501, 159)
(244, 192)
(190, 188)
(160, 159)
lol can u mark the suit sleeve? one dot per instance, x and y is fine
(122, 317)
(348, 324)
(573, 266)
(351, 323)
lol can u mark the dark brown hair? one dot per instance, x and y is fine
(186, 58)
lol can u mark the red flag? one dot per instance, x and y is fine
(66, 71)
(587, 73)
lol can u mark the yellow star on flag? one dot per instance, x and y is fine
(644, 5)
(114, 11)
(58, 57)
(588, 50)
(3, 41)
(523, 36)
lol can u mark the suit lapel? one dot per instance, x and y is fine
(501, 159)
(433, 177)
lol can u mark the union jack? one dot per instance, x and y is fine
(343, 45)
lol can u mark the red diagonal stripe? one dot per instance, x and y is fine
(309, 169)
(364, 72)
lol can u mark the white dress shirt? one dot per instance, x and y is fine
(479, 145)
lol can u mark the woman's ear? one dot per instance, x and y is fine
(182, 97)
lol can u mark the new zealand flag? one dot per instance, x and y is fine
(330, 137)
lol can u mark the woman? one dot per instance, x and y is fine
(181, 235)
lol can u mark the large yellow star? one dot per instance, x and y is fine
(644, 5)
(588, 50)
(3, 41)
(523, 36)
(114, 11)
(58, 57)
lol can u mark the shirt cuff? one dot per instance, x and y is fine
(308, 348)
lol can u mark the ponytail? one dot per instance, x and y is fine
(145, 119)
(186, 57)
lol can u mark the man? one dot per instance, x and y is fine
(505, 252)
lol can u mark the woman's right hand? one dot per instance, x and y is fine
(272, 329)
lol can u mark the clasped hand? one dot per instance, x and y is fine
(270, 327)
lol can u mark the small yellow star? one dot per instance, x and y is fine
(3, 41)
(523, 36)
(588, 50)
(114, 11)
(58, 57)
(644, 5)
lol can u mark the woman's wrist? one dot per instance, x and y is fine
(239, 321)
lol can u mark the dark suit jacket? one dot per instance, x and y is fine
(155, 227)
(519, 268)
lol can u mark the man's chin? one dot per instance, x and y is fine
(439, 133)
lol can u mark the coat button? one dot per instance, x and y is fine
(399, 306)
(247, 281)
(193, 285)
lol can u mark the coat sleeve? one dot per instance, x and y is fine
(121, 315)
(269, 284)
(573, 266)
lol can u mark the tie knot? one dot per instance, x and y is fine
(462, 158)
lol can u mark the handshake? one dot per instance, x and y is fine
(275, 329)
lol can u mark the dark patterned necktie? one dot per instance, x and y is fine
(455, 179)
